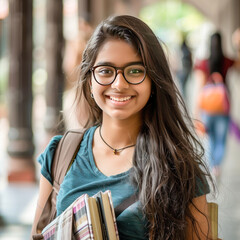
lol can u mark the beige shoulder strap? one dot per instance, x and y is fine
(64, 156)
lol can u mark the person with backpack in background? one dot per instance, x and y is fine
(139, 138)
(210, 72)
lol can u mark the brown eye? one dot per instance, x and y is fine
(104, 71)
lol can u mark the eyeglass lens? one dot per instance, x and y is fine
(106, 74)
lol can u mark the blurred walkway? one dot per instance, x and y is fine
(229, 193)
(18, 201)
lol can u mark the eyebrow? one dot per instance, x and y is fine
(112, 64)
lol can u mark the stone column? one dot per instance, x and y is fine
(54, 59)
(131, 7)
(100, 10)
(84, 10)
(229, 21)
(20, 147)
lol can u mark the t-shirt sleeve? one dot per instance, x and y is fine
(202, 187)
(45, 158)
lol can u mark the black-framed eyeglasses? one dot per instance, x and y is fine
(106, 74)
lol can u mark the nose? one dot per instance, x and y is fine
(120, 82)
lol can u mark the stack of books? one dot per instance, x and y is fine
(86, 218)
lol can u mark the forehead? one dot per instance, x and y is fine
(118, 52)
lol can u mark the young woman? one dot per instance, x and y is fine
(139, 138)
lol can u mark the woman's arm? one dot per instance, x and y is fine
(45, 189)
(199, 210)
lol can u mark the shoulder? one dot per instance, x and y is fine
(45, 158)
(84, 134)
(70, 139)
(53, 143)
(202, 186)
(51, 147)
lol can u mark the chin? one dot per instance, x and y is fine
(124, 116)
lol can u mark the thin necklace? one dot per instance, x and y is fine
(115, 150)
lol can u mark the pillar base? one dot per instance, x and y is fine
(21, 170)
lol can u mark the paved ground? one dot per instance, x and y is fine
(229, 193)
(17, 200)
(17, 208)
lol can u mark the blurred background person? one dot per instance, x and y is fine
(216, 124)
(184, 73)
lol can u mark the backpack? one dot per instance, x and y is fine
(64, 156)
(213, 97)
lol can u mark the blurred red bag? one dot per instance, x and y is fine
(213, 97)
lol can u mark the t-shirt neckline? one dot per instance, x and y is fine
(91, 158)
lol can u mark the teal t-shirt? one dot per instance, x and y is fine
(84, 177)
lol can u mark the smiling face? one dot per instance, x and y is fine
(120, 100)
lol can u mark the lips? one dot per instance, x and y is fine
(120, 99)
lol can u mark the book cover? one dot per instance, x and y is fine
(82, 220)
(108, 215)
(61, 227)
(213, 217)
(86, 218)
(96, 220)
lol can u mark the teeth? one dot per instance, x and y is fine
(120, 99)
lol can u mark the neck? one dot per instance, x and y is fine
(119, 135)
(116, 151)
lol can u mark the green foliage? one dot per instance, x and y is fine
(171, 15)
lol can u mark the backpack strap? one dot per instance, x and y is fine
(125, 204)
(64, 156)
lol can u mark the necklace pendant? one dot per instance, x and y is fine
(115, 150)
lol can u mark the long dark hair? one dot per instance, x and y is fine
(216, 54)
(167, 161)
